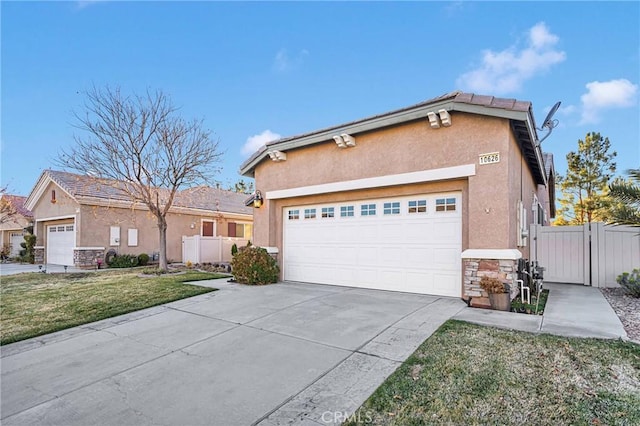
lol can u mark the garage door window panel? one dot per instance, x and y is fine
(418, 206)
(294, 214)
(327, 212)
(309, 213)
(346, 211)
(368, 210)
(392, 208)
(445, 204)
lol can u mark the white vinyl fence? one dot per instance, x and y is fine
(590, 255)
(197, 249)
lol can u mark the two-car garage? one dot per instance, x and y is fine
(411, 243)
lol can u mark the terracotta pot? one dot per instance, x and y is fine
(500, 301)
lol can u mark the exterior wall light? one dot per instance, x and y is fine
(257, 199)
(339, 141)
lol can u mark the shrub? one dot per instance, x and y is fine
(27, 253)
(234, 249)
(630, 282)
(143, 259)
(493, 285)
(253, 265)
(124, 261)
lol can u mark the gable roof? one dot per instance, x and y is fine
(17, 202)
(518, 112)
(90, 189)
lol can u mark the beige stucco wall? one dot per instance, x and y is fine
(401, 149)
(93, 224)
(96, 222)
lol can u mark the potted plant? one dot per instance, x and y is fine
(499, 295)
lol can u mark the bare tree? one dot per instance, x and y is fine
(141, 143)
(7, 210)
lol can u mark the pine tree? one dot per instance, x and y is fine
(585, 190)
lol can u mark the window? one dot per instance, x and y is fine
(53, 196)
(294, 214)
(368, 210)
(309, 213)
(418, 206)
(392, 208)
(445, 204)
(69, 228)
(240, 230)
(346, 211)
(132, 237)
(60, 228)
(327, 212)
(114, 236)
(52, 229)
(207, 228)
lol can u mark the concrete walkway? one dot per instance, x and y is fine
(572, 310)
(289, 352)
(19, 268)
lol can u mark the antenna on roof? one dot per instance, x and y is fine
(549, 122)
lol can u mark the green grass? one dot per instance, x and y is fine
(469, 375)
(35, 304)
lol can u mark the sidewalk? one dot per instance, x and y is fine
(572, 310)
(19, 268)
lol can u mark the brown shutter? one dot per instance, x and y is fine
(207, 229)
(232, 229)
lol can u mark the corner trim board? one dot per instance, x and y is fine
(445, 173)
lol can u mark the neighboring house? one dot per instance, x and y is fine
(12, 224)
(424, 199)
(79, 218)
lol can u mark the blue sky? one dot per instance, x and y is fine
(257, 71)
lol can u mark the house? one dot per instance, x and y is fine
(424, 199)
(79, 218)
(15, 218)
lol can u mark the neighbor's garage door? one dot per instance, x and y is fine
(60, 242)
(410, 244)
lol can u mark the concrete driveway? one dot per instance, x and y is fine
(243, 355)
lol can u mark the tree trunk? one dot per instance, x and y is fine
(162, 229)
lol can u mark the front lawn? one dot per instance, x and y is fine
(468, 374)
(35, 304)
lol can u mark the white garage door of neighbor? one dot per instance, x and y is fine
(16, 239)
(60, 242)
(411, 244)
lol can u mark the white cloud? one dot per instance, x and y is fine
(604, 95)
(283, 62)
(255, 142)
(506, 71)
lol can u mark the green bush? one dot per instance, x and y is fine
(234, 249)
(124, 261)
(253, 265)
(143, 259)
(630, 282)
(27, 253)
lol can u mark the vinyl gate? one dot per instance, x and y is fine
(589, 255)
(197, 249)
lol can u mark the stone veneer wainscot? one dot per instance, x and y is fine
(498, 263)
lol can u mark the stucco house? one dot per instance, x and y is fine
(13, 222)
(79, 218)
(424, 199)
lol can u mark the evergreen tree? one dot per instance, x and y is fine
(626, 196)
(585, 191)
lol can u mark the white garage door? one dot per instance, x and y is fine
(60, 242)
(410, 244)
(17, 238)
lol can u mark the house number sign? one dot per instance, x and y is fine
(491, 157)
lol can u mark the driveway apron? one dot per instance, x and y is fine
(242, 355)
